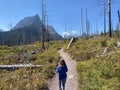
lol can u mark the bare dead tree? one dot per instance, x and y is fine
(103, 3)
(105, 10)
(87, 24)
(118, 24)
(109, 18)
(82, 20)
(119, 15)
(104, 18)
(47, 33)
(43, 24)
(23, 37)
(10, 26)
(57, 35)
(65, 30)
(96, 31)
(108, 3)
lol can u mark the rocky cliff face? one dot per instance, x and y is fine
(33, 21)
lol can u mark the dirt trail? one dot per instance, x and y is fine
(71, 83)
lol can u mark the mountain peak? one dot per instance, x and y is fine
(37, 16)
(1, 30)
(28, 31)
(28, 21)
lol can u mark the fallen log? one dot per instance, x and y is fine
(19, 66)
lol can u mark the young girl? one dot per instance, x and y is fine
(61, 70)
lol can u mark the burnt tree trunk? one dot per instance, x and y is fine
(109, 18)
(104, 18)
(43, 25)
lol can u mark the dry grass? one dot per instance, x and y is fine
(29, 78)
(95, 73)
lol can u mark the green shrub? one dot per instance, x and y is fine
(32, 57)
(103, 43)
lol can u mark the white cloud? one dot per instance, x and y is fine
(66, 33)
(70, 34)
(74, 32)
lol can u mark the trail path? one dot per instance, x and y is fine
(71, 83)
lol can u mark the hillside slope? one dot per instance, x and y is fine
(97, 71)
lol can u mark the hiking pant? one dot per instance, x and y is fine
(62, 84)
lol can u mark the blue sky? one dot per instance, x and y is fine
(61, 13)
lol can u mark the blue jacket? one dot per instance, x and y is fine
(61, 70)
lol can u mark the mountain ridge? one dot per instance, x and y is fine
(28, 30)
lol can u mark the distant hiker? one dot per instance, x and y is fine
(61, 70)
